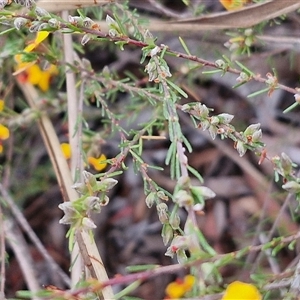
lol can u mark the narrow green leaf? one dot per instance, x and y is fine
(187, 144)
(183, 44)
(258, 93)
(131, 298)
(227, 59)
(177, 88)
(195, 173)
(239, 84)
(242, 253)
(81, 14)
(276, 249)
(244, 68)
(163, 52)
(212, 72)
(7, 31)
(130, 288)
(177, 167)
(291, 107)
(169, 154)
(120, 24)
(138, 158)
(292, 245)
(155, 167)
(140, 268)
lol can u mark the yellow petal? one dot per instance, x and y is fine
(241, 291)
(189, 281)
(40, 37)
(2, 104)
(30, 47)
(22, 66)
(233, 4)
(98, 163)
(175, 290)
(34, 74)
(66, 150)
(4, 132)
(44, 81)
(53, 70)
(1, 149)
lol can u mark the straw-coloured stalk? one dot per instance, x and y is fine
(65, 181)
(57, 5)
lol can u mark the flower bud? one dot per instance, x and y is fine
(155, 51)
(161, 195)
(220, 63)
(54, 23)
(89, 178)
(251, 129)
(150, 199)
(88, 22)
(27, 3)
(162, 211)
(92, 203)
(88, 223)
(174, 220)
(183, 198)
(108, 183)
(225, 118)
(70, 213)
(205, 124)
(43, 27)
(167, 233)
(20, 22)
(287, 164)
(202, 192)
(74, 20)
(104, 200)
(184, 182)
(242, 77)
(85, 39)
(35, 25)
(178, 243)
(292, 187)
(198, 207)
(110, 21)
(241, 148)
(3, 3)
(186, 107)
(213, 130)
(80, 188)
(214, 120)
(40, 12)
(257, 135)
(181, 257)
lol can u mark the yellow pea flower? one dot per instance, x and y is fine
(188, 282)
(40, 37)
(238, 290)
(66, 150)
(4, 132)
(178, 288)
(31, 72)
(99, 163)
(233, 4)
(175, 290)
(4, 135)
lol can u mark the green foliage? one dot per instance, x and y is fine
(166, 101)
